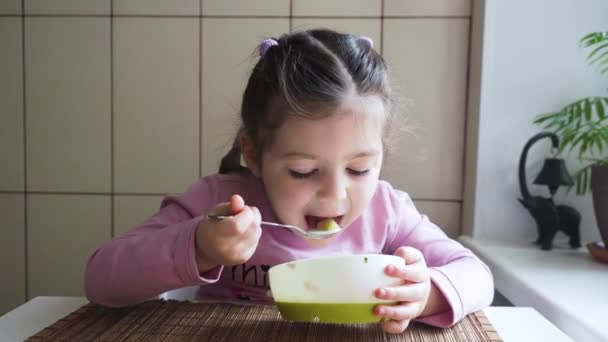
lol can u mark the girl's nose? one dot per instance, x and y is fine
(333, 189)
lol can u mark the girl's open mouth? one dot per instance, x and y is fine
(313, 221)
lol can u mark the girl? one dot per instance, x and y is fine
(315, 117)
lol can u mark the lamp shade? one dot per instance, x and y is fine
(554, 174)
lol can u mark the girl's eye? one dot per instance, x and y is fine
(357, 172)
(301, 175)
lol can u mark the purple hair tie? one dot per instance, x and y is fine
(367, 41)
(267, 44)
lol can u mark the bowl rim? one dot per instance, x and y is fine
(338, 258)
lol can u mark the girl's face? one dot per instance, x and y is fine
(327, 168)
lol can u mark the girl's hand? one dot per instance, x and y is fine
(412, 296)
(230, 241)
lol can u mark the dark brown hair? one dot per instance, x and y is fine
(306, 74)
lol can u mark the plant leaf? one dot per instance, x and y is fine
(599, 109)
(580, 180)
(577, 111)
(580, 139)
(584, 147)
(603, 139)
(567, 138)
(596, 50)
(588, 37)
(598, 142)
(587, 109)
(585, 181)
(581, 126)
(543, 117)
(599, 58)
(593, 38)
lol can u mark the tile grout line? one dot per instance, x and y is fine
(466, 117)
(152, 194)
(227, 16)
(382, 28)
(200, 95)
(81, 193)
(112, 197)
(25, 221)
(24, 132)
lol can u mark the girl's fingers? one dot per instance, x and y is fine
(246, 219)
(400, 312)
(395, 319)
(222, 209)
(256, 228)
(411, 255)
(413, 273)
(237, 204)
(413, 292)
(394, 327)
(246, 249)
(257, 215)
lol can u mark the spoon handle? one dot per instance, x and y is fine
(218, 217)
(313, 234)
(221, 217)
(276, 224)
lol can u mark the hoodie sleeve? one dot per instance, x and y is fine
(464, 280)
(154, 257)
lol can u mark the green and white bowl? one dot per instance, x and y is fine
(338, 289)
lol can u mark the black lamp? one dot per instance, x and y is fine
(550, 218)
(554, 174)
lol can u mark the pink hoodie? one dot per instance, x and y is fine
(159, 255)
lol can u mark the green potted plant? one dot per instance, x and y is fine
(582, 127)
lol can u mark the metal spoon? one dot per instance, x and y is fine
(311, 233)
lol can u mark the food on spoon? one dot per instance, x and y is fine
(328, 225)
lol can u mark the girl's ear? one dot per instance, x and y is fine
(249, 154)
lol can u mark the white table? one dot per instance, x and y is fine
(511, 323)
(565, 285)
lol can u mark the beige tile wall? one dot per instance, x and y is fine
(67, 99)
(105, 106)
(12, 175)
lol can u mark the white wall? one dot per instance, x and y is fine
(531, 64)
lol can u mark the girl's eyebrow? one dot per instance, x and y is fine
(298, 155)
(302, 155)
(370, 153)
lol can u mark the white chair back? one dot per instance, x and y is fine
(185, 293)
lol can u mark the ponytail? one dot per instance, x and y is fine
(231, 162)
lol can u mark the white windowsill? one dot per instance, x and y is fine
(566, 286)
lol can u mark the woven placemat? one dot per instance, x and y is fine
(161, 320)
